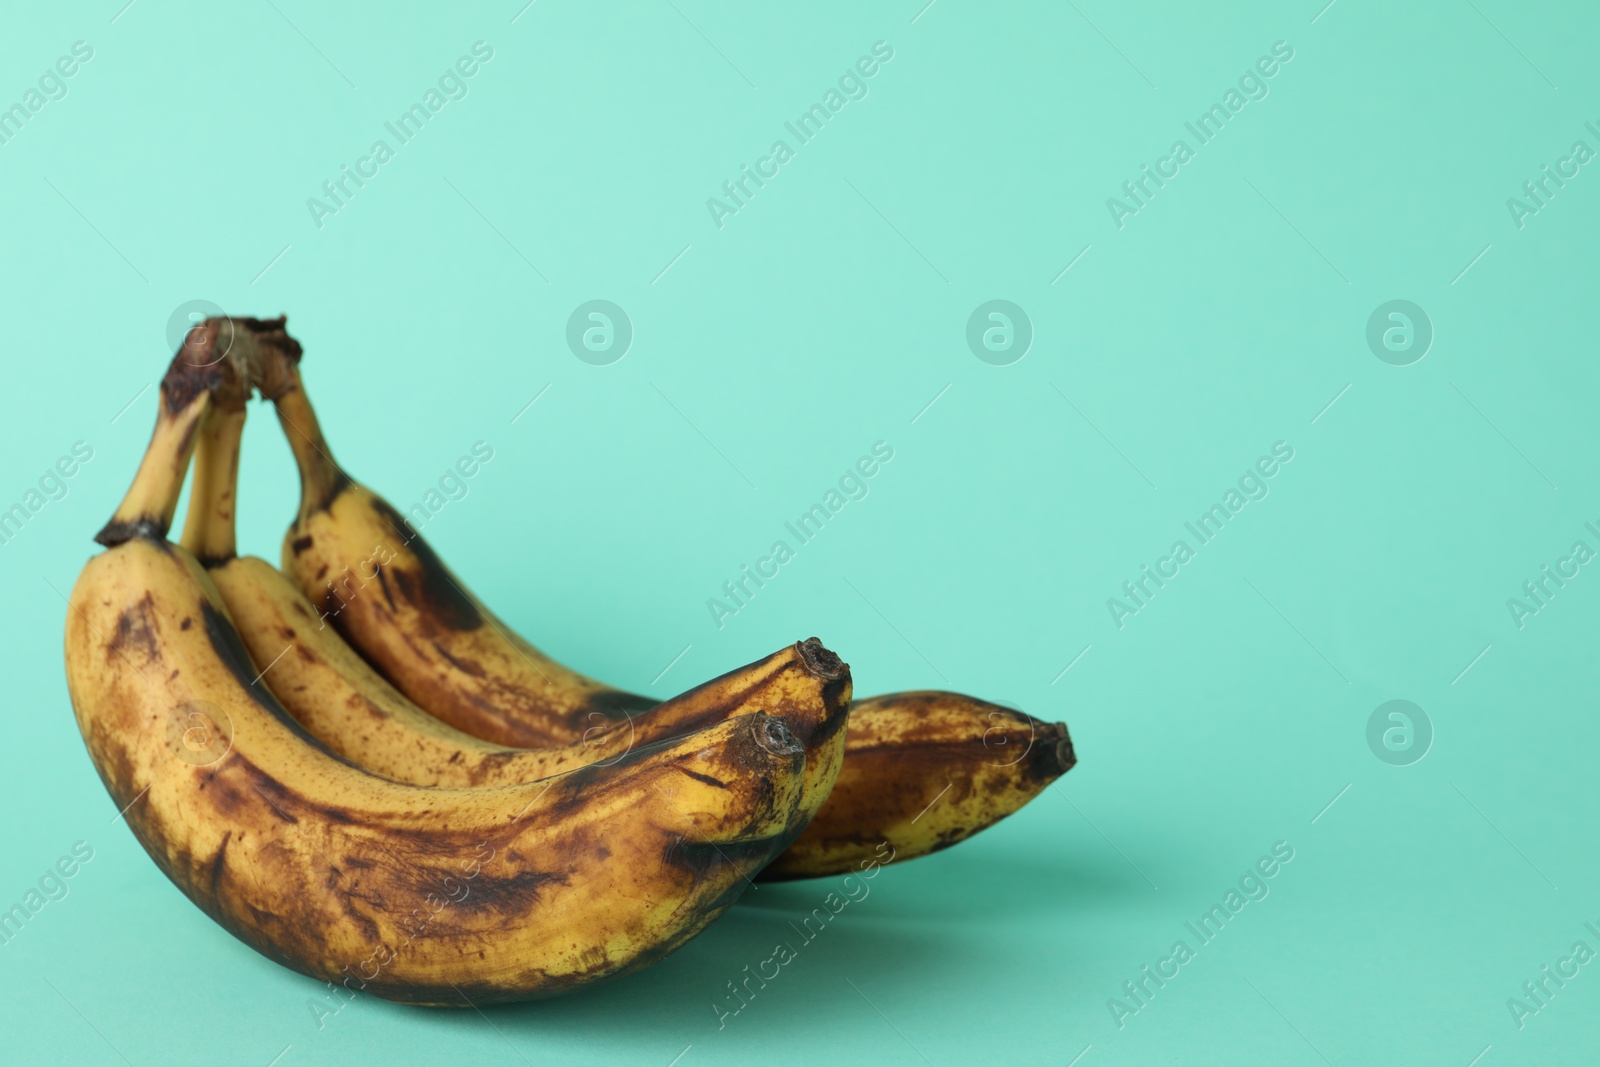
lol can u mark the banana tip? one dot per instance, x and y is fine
(1053, 754)
(774, 736)
(821, 661)
(1066, 758)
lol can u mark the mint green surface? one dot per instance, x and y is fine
(1227, 314)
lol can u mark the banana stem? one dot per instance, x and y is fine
(321, 478)
(148, 507)
(209, 527)
(220, 362)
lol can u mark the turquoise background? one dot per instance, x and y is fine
(1229, 714)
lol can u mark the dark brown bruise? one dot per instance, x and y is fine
(135, 632)
(118, 531)
(432, 591)
(616, 704)
(338, 482)
(702, 858)
(383, 583)
(517, 894)
(218, 863)
(706, 778)
(470, 668)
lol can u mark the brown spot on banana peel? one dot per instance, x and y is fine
(218, 864)
(135, 633)
(116, 532)
(706, 778)
(432, 590)
(338, 483)
(513, 894)
(383, 581)
(615, 704)
(470, 668)
(703, 857)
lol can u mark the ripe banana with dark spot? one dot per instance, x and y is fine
(383, 588)
(932, 769)
(424, 895)
(377, 581)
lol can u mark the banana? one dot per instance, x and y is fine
(932, 769)
(391, 597)
(384, 589)
(347, 706)
(424, 895)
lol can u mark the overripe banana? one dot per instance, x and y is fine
(383, 588)
(424, 895)
(379, 583)
(923, 771)
(345, 704)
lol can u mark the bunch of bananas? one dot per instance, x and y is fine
(359, 771)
